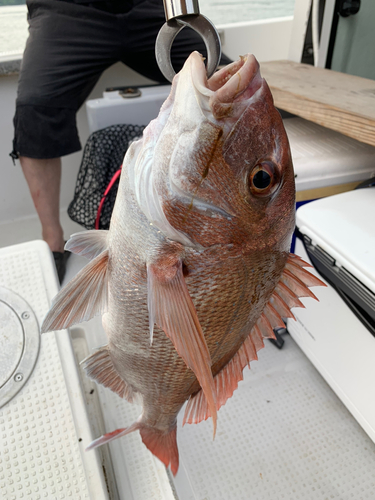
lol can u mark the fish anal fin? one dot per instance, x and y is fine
(88, 243)
(110, 436)
(171, 308)
(83, 297)
(99, 367)
(162, 445)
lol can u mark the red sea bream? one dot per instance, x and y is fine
(195, 270)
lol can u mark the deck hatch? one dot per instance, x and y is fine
(19, 343)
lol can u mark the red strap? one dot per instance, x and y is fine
(109, 187)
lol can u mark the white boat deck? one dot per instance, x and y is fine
(283, 435)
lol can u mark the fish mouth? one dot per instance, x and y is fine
(224, 97)
(237, 81)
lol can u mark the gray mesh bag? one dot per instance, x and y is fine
(102, 158)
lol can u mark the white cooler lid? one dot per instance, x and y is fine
(344, 226)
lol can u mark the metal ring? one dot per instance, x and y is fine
(170, 30)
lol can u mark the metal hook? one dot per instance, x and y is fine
(178, 16)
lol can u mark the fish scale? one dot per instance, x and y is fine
(195, 269)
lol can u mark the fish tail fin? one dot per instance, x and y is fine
(162, 445)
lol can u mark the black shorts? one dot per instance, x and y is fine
(69, 47)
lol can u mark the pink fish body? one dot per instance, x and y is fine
(195, 269)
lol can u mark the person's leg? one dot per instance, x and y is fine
(61, 64)
(43, 178)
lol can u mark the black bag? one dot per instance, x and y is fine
(102, 157)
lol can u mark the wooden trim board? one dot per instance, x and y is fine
(313, 194)
(338, 101)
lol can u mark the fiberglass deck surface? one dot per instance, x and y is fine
(39, 450)
(283, 435)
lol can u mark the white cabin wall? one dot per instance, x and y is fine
(268, 40)
(14, 195)
(354, 51)
(15, 200)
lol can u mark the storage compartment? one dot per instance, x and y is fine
(131, 105)
(337, 333)
(326, 162)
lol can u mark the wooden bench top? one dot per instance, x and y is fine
(338, 101)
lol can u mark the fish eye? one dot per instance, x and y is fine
(263, 179)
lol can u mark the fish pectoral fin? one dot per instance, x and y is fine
(99, 367)
(294, 283)
(89, 244)
(83, 297)
(171, 308)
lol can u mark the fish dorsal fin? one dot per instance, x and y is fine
(226, 381)
(89, 244)
(83, 297)
(171, 308)
(278, 307)
(99, 367)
